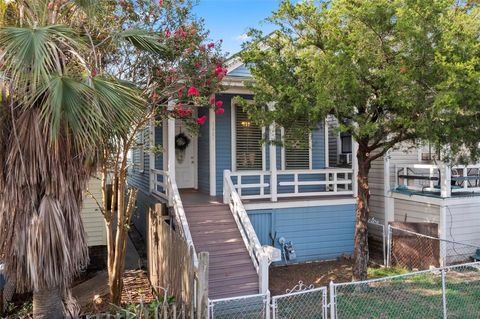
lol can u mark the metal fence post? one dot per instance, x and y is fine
(389, 246)
(267, 305)
(383, 245)
(444, 295)
(332, 300)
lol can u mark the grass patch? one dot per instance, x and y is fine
(385, 272)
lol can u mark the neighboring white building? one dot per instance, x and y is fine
(94, 224)
(409, 185)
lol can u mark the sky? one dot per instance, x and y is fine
(230, 19)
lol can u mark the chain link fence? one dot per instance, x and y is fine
(415, 251)
(462, 287)
(245, 307)
(377, 241)
(448, 292)
(308, 304)
(415, 295)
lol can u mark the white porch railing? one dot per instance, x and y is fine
(166, 187)
(158, 183)
(292, 183)
(259, 256)
(440, 178)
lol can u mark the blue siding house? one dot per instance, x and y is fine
(289, 200)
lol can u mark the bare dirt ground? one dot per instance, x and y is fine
(315, 273)
(136, 290)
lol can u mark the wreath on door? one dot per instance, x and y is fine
(181, 142)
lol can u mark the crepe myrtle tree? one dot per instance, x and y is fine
(389, 71)
(188, 72)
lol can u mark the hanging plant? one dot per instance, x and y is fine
(181, 142)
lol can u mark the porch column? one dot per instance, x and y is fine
(446, 176)
(442, 233)
(354, 167)
(152, 156)
(388, 199)
(212, 152)
(171, 142)
(327, 155)
(273, 157)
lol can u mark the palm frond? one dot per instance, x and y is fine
(120, 103)
(143, 40)
(88, 6)
(31, 54)
(66, 106)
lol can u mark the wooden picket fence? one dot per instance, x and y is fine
(171, 268)
(141, 311)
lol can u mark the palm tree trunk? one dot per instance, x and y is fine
(48, 304)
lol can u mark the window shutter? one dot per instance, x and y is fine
(297, 150)
(248, 148)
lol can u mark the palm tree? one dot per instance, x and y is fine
(56, 114)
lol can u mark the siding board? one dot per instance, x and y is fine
(317, 233)
(91, 217)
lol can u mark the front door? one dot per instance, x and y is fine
(185, 155)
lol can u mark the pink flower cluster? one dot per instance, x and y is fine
(182, 112)
(193, 91)
(220, 110)
(201, 120)
(220, 72)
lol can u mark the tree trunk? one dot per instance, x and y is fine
(360, 254)
(48, 304)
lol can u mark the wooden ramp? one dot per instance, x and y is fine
(213, 228)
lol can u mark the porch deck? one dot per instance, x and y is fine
(192, 196)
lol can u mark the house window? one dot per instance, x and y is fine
(248, 148)
(139, 152)
(297, 149)
(346, 143)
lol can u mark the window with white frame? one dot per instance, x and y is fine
(139, 151)
(297, 149)
(346, 143)
(248, 149)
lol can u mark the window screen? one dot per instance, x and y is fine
(248, 147)
(346, 140)
(297, 150)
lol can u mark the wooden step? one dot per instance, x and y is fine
(228, 250)
(222, 263)
(231, 274)
(229, 292)
(250, 281)
(226, 234)
(213, 229)
(206, 209)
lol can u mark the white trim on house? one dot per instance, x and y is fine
(212, 153)
(141, 149)
(233, 64)
(354, 167)
(171, 142)
(437, 200)
(326, 144)
(152, 155)
(272, 149)
(299, 203)
(164, 143)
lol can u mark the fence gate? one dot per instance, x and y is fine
(307, 304)
(244, 307)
